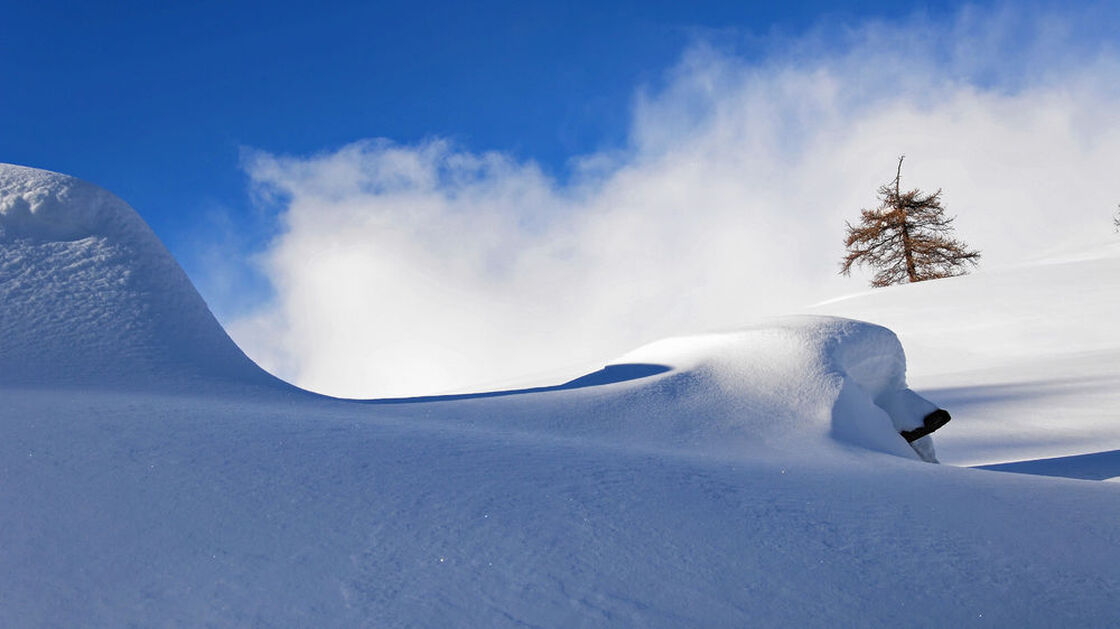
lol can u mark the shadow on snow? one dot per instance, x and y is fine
(995, 394)
(1096, 466)
(607, 375)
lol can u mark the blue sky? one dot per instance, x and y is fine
(156, 101)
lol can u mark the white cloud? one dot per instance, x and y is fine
(416, 269)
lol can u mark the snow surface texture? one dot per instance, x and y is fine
(88, 295)
(153, 475)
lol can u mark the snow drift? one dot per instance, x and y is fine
(791, 383)
(89, 296)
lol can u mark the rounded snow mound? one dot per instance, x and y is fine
(798, 383)
(90, 297)
(792, 380)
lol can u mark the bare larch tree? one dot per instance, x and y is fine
(907, 239)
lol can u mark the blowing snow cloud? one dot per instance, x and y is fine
(411, 269)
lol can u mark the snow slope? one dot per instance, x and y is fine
(1027, 358)
(89, 296)
(152, 475)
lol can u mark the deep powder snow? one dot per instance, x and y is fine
(153, 475)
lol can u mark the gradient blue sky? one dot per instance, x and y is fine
(155, 101)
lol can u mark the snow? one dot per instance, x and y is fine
(153, 475)
(89, 296)
(1026, 358)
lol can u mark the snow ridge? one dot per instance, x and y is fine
(90, 297)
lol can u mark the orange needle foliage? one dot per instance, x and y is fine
(908, 238)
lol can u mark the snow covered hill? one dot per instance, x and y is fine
(89, 296)
(153, 475)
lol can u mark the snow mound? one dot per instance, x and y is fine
(90, 297)
(792, 384)
(787, 382)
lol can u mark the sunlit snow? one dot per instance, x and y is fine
(152, 475)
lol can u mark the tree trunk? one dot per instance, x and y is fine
(907, 250)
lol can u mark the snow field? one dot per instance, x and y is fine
(152, 475)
